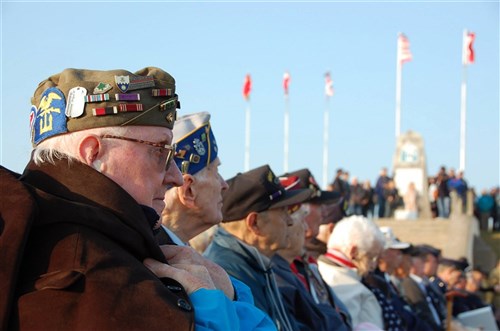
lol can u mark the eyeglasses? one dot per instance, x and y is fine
(169, 148)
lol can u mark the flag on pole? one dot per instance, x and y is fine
(247, 87)
(404, 53)
(286, 82)
(468, 51)
(328, 85)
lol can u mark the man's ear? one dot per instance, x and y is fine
(90, 150)
(353, 252)
(187, 192)
(252, 223)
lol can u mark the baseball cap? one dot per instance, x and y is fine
(257, 190)
(307, 180)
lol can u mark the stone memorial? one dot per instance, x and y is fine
(410, 171)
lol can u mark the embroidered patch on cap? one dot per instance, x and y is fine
(196, 150)
(50, 118)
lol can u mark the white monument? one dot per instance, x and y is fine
(409, 164)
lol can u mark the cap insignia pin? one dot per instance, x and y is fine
(122, 82)
(102, 88)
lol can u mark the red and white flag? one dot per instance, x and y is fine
(468, 51)
(328, 85)
(247, 87)
(286, 82)
(404, 53)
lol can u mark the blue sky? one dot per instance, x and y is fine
(209, 47)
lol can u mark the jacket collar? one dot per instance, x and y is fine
(71, 186)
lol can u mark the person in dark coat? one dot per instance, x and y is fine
(77, 227)
(415, 291)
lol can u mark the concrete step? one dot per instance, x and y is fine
(457, 237)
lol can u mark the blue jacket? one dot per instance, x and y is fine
(299, 302)
(245, 263)
(214, 311)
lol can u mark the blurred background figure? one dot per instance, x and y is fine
(410, 200)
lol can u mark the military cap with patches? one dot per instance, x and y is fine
(196, 145)
(79, 99)
(307, 181)
(257, 190)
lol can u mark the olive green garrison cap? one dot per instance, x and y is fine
(79, 99)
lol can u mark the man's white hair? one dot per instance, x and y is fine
(356, 230)
(66, 145)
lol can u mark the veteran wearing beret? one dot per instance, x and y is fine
(196, 206)
(77, 227)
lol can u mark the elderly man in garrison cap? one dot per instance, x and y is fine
(255, 222)
(196, 205)
(77, 227)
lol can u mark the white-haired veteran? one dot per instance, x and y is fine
(77, 227)
(195, 206)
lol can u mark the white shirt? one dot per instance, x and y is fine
(359, 300)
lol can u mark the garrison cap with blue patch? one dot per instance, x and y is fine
(196, 145)
(80, 99)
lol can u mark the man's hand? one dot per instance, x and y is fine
(187, 255)
(192, 277)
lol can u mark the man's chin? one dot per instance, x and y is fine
(158, 206)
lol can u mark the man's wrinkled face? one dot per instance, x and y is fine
(296, 234)
(313, 219)
(274, 224)
(209, 187)
(367, 261)
(391, 258)
(140, 168)
(431, 265)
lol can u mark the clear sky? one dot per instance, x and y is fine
(209, 47)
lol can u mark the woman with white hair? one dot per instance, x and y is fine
(353, 250)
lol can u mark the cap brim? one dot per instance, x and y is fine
(292, 197)
(326, 196)
(399, 245)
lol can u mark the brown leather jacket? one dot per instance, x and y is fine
(72, 244)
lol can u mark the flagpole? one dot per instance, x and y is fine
(398, 91)
(463, 109)
(287, 123)
(326, 125)
(247, 137)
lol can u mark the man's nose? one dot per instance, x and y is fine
(173, 176)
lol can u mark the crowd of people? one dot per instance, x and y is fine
(382, 199)
(122, 221)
